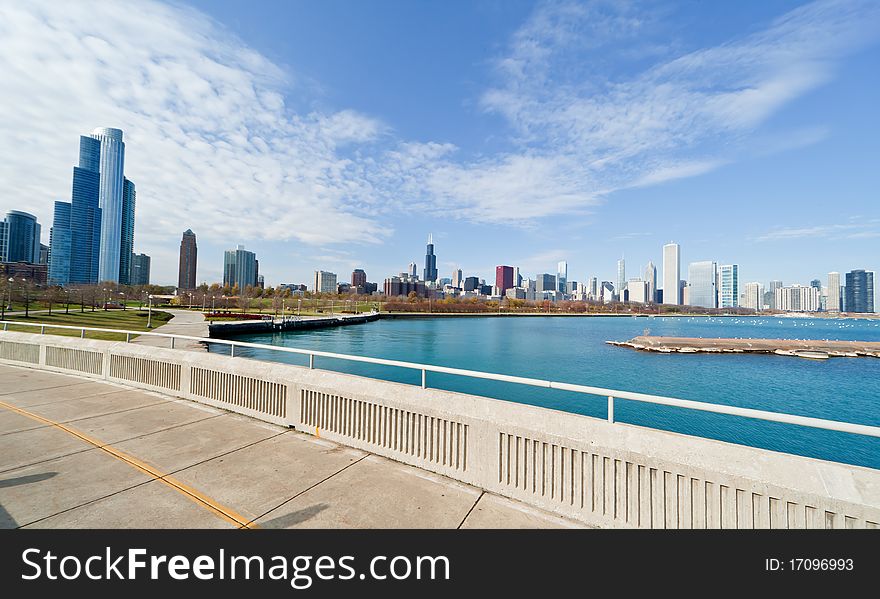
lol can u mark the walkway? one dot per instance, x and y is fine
(184, 322)
(77, 453)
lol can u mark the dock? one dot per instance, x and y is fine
(816, 349)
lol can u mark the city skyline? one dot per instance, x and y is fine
(360, 154)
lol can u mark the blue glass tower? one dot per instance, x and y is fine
(111, 157)
(127, 237)
(75, 239)
(20, 238)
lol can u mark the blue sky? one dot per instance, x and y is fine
(339, 134)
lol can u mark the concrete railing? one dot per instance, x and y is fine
(600, 472)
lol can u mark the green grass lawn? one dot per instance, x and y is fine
(129, 320)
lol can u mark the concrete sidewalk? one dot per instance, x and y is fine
(76, 453)
(183, 322)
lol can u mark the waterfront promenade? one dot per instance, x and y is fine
(78, 453)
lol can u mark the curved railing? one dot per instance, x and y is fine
(610, 394)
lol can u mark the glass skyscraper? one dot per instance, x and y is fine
(430, 262)
(702, 289)
(126, 247)
(110, 192)
(728, 276)
(239, 268)
(562, 276)
(19, 238)
(860, 291)
(672, 274)
(75, 238)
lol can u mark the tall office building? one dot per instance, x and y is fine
(832, 304)
(754, 296)
(562, 276)
(702, 288)
(672, 274)
(545, 282)
(504, 279)
(20, 238)
(186, 268)
(140, 270)
(325, 282)
(430, 262)
(240, 268)
(111, 164)
(637, 291)
(594, 288)
(412, 270)
(457, 279)
(860, 291)
(621, 279)
(651, 279)
(728, 286)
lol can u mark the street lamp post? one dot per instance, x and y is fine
(105, 299)
(123, 300)
(212, 303)
(150, 312)
(27, 297)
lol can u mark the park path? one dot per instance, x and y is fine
(184, 322)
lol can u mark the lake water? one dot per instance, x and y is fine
(573, 350)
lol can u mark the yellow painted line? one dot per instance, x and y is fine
(195, 496)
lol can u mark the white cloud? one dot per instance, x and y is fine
(856, 228)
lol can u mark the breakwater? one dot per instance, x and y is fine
(800, 348)
(242, 327)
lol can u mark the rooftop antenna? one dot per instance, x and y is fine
(430, 238)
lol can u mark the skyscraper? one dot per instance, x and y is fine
(111, 163)
(774, 285)
(504, 278)
(728, 286)
(240, 268)
(358, 280)
(562, 276)
(860, 291)
(186, 270)
(833, 302)
(457, 279)
(430, 262)
(140, 270)
(126, 246)
(671, 274)
(19, 238)
(702, 289)
(651, 278)
(75, 237)
(594, 288)
(621, 278)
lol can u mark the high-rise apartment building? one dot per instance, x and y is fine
(797, 298)
(186, 267)
(860, 291)
(832, 304)
(754, 296)
(672, 274)
(702, 284)
(92, 237)
(240, 268)
(774, 286)
(430, 262)
(111, 165)
(140, 270)
(325, 282)
(621, 278)
(20, 238)
(594, 288)
(561, 276)
(728, 286)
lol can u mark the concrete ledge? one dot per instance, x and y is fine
(602, 474)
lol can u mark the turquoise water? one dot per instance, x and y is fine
(574, 350)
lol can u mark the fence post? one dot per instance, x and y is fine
(311, 361)
(611, 409)
(42, 329)
(172, 343)
(128, 337)
(82, 333)
(424, 379)
(232, 350)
